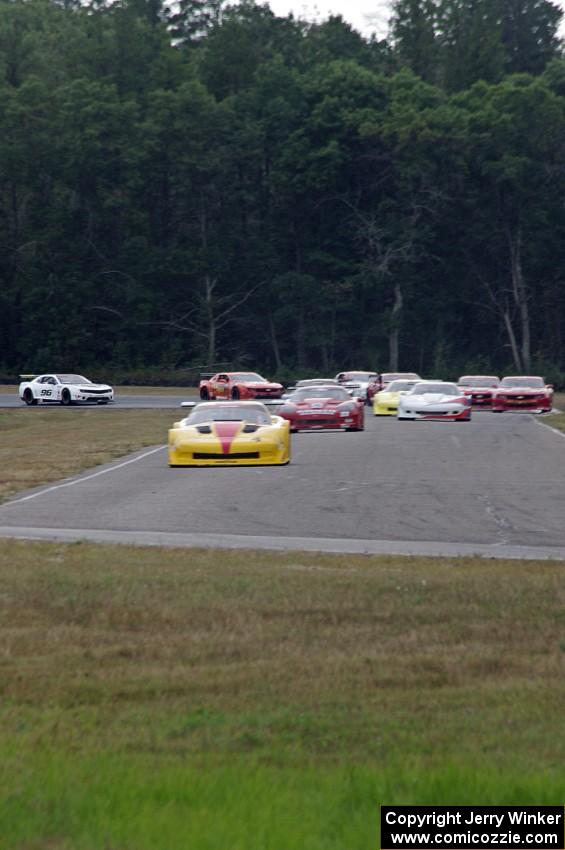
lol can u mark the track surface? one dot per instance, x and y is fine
(122, 401)
(492, 486)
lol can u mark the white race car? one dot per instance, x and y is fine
(356, 382)
(63, 389)
(435, 400)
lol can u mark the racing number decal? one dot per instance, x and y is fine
(46, 392)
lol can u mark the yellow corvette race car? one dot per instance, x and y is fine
(227, 433)
(385, 403)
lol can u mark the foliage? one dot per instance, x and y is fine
(213, 183)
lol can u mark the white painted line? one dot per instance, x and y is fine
(551, 428)
(84, 478)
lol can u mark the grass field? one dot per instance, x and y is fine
(252, 701)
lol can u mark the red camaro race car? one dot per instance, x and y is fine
(237, 385)
(479, 388)
(526, 392)
(323, 408)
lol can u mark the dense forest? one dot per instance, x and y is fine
(193, 184)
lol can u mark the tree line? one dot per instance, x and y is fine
(201, 183)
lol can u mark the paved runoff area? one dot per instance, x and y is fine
(494, 487)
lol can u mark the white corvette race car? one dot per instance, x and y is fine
(63, 389)
(435, 400)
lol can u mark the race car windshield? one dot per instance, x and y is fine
(335, 393)
(441, 389)
(387, 377)
(359, 376)
(535, 383)
(249, 376)
(72, 379)
(400, 386)
(478, 381)
(230, 413)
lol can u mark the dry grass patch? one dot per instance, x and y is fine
(198, 651)
(40, 445)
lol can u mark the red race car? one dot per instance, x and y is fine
(479, 388)
(237, 385)
(385, 378)
(527, 392)
(323, 408)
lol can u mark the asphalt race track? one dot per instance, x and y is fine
(494, 486)
(122, 401)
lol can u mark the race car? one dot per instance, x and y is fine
(323, 408)
(237, 385)
(479, 389)
(385, 403)
(357, 382)
(385, 378)
(225, 434)
(523, 392)
(63, 389)
(435, 400)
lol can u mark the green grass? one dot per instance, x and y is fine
(108, 802)
(557, 420)
(209, 700)
(38, 446)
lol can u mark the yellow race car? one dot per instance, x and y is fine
(227, 433)
(385, 403)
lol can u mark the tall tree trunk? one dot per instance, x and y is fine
(520, 293)
(512, 339)
(275, 343)
(394, 332)
(209, 285)
(301, 339)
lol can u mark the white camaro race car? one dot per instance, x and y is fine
(63, 389)
(435, 400)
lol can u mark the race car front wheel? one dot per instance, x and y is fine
(28, 397)
(204, 394)
(65, 397)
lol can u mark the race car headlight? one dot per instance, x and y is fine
(346, 408)
(287, 408)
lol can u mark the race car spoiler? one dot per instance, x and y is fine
(29, 377)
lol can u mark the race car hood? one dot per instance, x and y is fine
(431, 398)
(386, 396)
(522, 390)
(221, 434)
(318, 403)
(87, 387)
(261, 385)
